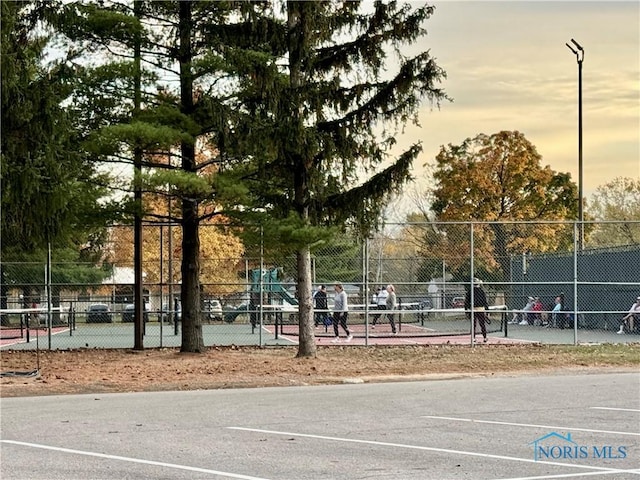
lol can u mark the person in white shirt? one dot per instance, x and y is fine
(340, 312)
(381, 300)
(391, 306)
(628, 321)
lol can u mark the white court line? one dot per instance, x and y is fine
(280, 335)
(554, 427)
(616, 409)
(430, 449)
(134, 460)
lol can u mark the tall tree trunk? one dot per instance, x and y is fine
(192, 339)
(500, 244)
(307, 345)
(138, 300)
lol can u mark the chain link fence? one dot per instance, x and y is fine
(539, 286)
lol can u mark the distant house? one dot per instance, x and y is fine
(121, 276)
(119, 286)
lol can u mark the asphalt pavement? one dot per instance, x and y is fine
(494, 427)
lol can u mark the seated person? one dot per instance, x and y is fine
(536, 317)
(630, 321)
(524, 312)
(556, 314)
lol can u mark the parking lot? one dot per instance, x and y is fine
(474, 428)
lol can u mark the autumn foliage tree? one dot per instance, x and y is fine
(220, 250)
(617, 201)
(499, 179)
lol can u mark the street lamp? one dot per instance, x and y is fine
(579, 53)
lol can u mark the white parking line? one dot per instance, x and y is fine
(553, 427)
(616, 409)
(431, 449)
(133, 460)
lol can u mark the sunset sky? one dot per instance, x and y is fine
(509, 69)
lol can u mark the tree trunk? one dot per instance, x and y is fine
(192, 339)
(501, 253)
(307, 345)
(138, 300)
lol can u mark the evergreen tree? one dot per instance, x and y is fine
(189, 53)
(327, 106)
(49, 188)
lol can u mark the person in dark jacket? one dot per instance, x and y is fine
(320, 301)
(480, 306)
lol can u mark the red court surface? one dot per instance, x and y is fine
(121, 336)
(408, 334)
(13, 336)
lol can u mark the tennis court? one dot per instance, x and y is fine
(122, 336)
(447, 326)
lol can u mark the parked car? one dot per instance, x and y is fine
(213, 309)
(457, 302)
(129, 311)
(99, 313)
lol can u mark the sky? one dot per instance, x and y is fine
(508, 68)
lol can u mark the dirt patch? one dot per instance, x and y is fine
(95, 371)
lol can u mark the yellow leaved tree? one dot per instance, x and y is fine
(497, 179)
(221, 251)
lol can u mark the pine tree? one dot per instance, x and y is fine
(328, 104)
(49, 188)
(188, 101)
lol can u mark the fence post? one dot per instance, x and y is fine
(575, 283)
(365, 287)
(471, 275)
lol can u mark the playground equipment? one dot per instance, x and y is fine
(270, 286)
(273, 295)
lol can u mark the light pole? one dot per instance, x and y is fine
(579, 53)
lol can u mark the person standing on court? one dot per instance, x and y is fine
(479, 306)
(320, 301)
(382, 304)
(391, 306)
(340, 312)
